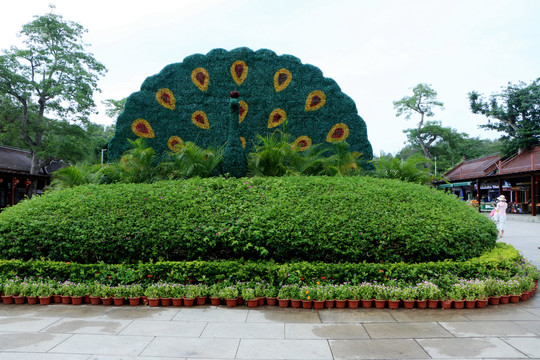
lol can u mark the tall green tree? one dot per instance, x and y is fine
(515, 111)
(114, 107)
(422, 103)
(52, 76)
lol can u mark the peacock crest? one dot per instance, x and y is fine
(189, 101)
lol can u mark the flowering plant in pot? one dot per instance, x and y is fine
(271, 293)
(213, 292)
(250, 297)
(229, 293)
(202, 292)
(306, 293)
(409, 295)
(29, 289)
(328, 293)
(428, 290)
(152, 292)
(133, 293)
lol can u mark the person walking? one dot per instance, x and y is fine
(500, 211)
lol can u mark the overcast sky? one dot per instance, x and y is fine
(377, 51)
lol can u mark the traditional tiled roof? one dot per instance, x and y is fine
(527, 160)
(475, 168)
(15, 160)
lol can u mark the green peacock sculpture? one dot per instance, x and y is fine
(228, 97)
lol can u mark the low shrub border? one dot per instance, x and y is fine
(502, 262)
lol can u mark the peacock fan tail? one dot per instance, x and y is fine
(189, 101)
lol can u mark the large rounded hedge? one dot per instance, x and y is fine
(349, 219)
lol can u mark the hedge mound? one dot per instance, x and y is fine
(349, 219)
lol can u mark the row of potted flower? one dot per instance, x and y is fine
(469, 293)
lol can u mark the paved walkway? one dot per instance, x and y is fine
(98, 332)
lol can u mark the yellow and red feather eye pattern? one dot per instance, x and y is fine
(175, 143)
(142, 128)
(243, 111)
(337, 133)
(282, 79)
(200, 78)
(277, 117)
(165, 98)
(200, 119)
(302, 143)
(243, 141)
(315, 100)
(239, 71)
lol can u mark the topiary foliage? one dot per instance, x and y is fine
(189, 101)
(349, 219)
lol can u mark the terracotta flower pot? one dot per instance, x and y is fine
(107, 300)
(165, 301)
(86, 299)
(353, 304)
(45, 300)
(144, 300)
(329, 304)
(134, 301)
(32, 300)
(229, 302)
(446, 304)
(433, 303)
(188, 301)
(95, 300)
(318, 304)
(283, 303)
(408, 304)
(252, 303)
(482, 303)
(153, 302)
(421, 304)
(261, 299)
(393, 304)
(176, 302)
(295, 303)
(7, 299)
(118, 301)
(494, 300)
(341, 304)
(215, 301)
(515, 298)
(459, 304)
(524, 296)
(380, 304)
(505, 299)
(470, 304)
(66, 299)
(19, 299)
(307, 304)
(239, 301)
(200, 300)
(76, 300)
(57, 299)
(271, 301)
(367, 303)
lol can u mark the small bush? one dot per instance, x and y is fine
(349, 219)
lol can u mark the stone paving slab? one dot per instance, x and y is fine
(141, 312)
(377, 349)
(30, 341)
(428, 315)
(406, 330)
(20, 323)
(192, 347)
(252, 349)
(486, 328)
(532, 326)
(504, 312)
(325, 331)
(212, 313)
(18, 310)
(358, 316)
(103, 345)
(41, 356)
(284, 315)
(165, 328)
(473, 348)
(529, 346)
(73, 311)
(87, 326)
(244, 330)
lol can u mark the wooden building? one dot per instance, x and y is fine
(483, 180)
(15, 175)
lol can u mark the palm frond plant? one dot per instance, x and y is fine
(191, 161)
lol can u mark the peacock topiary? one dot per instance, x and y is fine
(230, 97)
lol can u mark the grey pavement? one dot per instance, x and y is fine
(87, 332)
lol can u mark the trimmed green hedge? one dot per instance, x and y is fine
(502, 262)
(350, 219)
